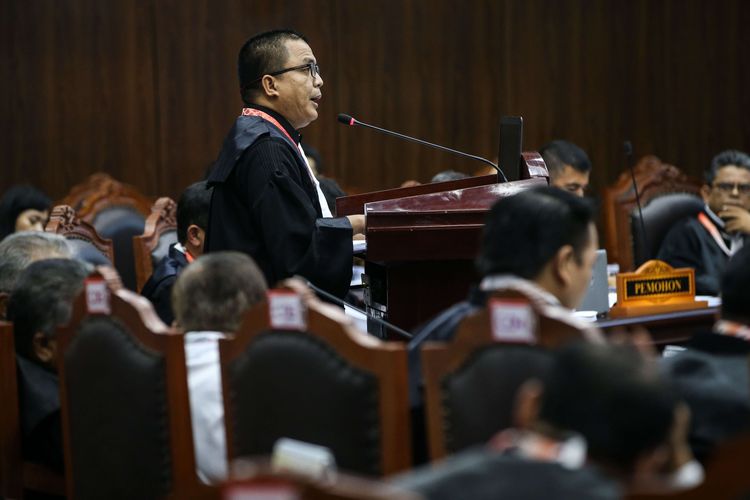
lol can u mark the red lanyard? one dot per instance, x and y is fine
(714, 232)
(268, 118)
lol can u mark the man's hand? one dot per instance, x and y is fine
(357, 222)
(736, 219)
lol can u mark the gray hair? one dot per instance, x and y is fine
(18, 250)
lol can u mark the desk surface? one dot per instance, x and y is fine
(666, 328)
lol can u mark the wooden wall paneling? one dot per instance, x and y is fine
(81, 87)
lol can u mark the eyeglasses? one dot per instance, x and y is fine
(312, 67)
(729, 187)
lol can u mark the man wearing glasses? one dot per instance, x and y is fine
(266, 200)
(706, 242)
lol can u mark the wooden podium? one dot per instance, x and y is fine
(422, 241)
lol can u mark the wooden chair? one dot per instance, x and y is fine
(99, 192)
(471, 382)
(87, 244)
(257, 477)
(654, 178)
(17, 474)
(153, 245)
(327, 384)
(124, 397)
(117, 211)
(726, 475)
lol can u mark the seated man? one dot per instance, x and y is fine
(712, 374)
(40, 302)
(706, 242)
(568, 165)
(209, 298)
(192, 219)
(19, 250)
(541, 242)
(597, 402)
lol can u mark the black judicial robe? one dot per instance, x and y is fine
(158, 288)
(265, 204)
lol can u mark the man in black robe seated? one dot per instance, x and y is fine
(192, 221)
(266, 200)
(712, 373)
(706, 241)
(597, 423)
(40, 302)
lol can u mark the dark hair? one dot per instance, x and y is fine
(260, 55)
(613, 397)
(523, 232)
(42, 299)
(16, 200)
(726, 158)
(448, 175)
(192, 208)
(559, 153)
(215, 290)
(735, 289)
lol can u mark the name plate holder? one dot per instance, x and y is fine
(655, 287)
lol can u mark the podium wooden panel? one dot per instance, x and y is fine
(422, 241)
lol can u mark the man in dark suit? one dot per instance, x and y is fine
(40, 302)
(595, 404)
(192, 220)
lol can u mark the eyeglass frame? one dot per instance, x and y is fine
(729, 187)
(312, 67)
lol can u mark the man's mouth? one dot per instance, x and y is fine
(316, 99)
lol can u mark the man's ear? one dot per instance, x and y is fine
(195, 236)
(528, 404)
(705, 192)
(563, 265)
(268, 83)
(4, 296)
(44, 348)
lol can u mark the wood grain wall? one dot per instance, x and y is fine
(146, 89)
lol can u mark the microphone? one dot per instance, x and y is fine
(628, 150)
(348, 120)
(343, 303)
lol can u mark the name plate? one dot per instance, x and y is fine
(654, 288)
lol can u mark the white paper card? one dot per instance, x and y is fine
(512, 321)
(97, 297)
(286, 311)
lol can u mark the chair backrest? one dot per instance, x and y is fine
(256, 477)
(87, 244)
(16, 474)
(654, 178)
(124, 397)
(659, 215)
(471, 382)
(118, 212)
(152, 246)
(326, 384)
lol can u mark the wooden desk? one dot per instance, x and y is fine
(667, 328)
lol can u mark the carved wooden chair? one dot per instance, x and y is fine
(84, 240)
(325, 383)
(16, 474)
(153, 245)
(471, 382)
(118, 211)
(124, 398)
(258, 477)
(654, 178)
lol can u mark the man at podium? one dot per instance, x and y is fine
(266, 200)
